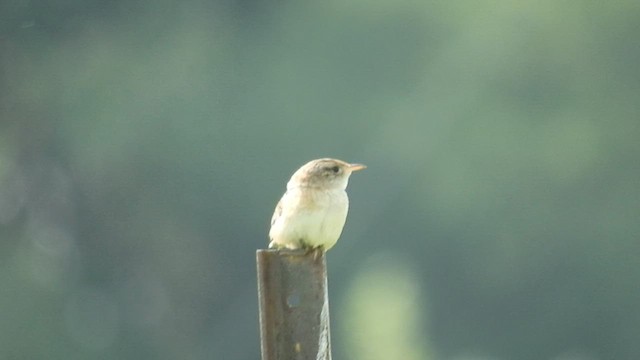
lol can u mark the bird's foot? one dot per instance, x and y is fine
(317, 252)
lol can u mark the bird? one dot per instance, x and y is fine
(313, 210)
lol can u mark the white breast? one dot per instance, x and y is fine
(316, 222)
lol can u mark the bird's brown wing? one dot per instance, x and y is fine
(277, 212)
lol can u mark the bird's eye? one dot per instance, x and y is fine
(335, 169)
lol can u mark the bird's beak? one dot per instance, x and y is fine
(356, 167)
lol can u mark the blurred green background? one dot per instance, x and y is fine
(144, 144)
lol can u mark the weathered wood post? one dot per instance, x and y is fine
(294, 305)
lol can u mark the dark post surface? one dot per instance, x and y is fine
(294, 305)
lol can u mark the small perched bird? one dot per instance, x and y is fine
(312, 212)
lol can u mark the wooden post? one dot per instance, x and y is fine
(294, 305)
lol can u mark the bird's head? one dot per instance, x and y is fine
(324, 173)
